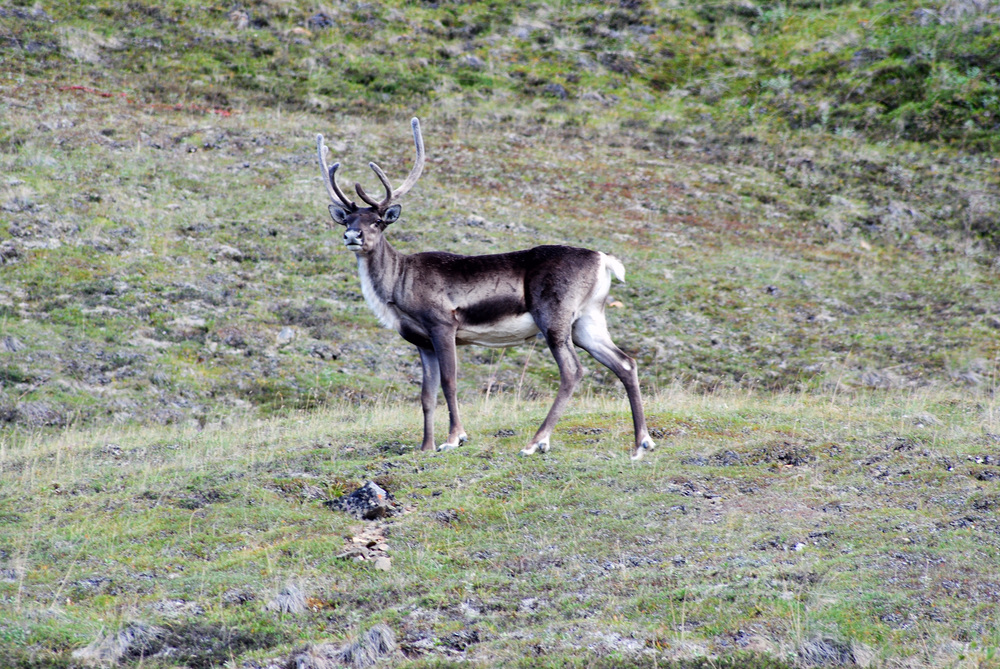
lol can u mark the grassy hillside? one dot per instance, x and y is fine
(919, 71)
(799, 529)
(166, 262)
(806, 199)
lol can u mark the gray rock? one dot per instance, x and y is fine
(368, 502)
(472, 62)
(38, 414)
(9, 251)
(230, 253)
(286, 336)
(556, 91)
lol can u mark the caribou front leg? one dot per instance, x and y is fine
(428, 393)
(443, 340)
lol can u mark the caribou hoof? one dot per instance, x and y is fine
(542, 446)
(448, 446)
(646, 445)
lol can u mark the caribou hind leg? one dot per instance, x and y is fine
(570, 374)
(590, 332)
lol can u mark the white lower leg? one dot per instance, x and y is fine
(540, 445)
(452, 445)
(645, 445)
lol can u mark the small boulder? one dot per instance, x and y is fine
(230, 253)
(369, 502)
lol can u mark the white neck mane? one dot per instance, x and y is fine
(385, 313)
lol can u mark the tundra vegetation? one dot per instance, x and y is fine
(804, 194)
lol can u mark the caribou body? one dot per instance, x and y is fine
(437, 301)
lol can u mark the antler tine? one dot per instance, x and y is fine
(372, 202)
(385, 182)
(418, 167)
(329, 176)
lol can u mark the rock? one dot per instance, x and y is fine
(383, 564)
(446, 517)
(472, 62)
(924, 419)
(323, 352)
(286, 336)
(925, 17)
(320, 20)
(9, 251)
(38, 414)
(366, 503)
(188, 327)
(528, 605)
(230, 253)
(236, 597)
(17, 205)
(556, 91)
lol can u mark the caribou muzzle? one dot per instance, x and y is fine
(353, 239)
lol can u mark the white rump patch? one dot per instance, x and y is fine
(383, 312)
(507, 332)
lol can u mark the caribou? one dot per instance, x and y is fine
(438, 301)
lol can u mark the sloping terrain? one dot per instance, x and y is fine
(806, 199)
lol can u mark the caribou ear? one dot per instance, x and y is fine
(339, 214)
(391, 214)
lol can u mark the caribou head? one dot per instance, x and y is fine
(366, 224)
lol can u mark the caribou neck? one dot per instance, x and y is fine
(379, 272)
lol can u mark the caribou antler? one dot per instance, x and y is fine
(411, 179)
(390, 195)
(385, 182)
(330, 178)
(418, 167)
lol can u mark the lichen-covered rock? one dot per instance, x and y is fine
(368, 502)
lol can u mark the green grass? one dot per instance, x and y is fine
(865, 536)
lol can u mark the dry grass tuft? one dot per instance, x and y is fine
(378, 643)
(289, 600)
(134, 641)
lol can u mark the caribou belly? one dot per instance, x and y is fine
(508, 331)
